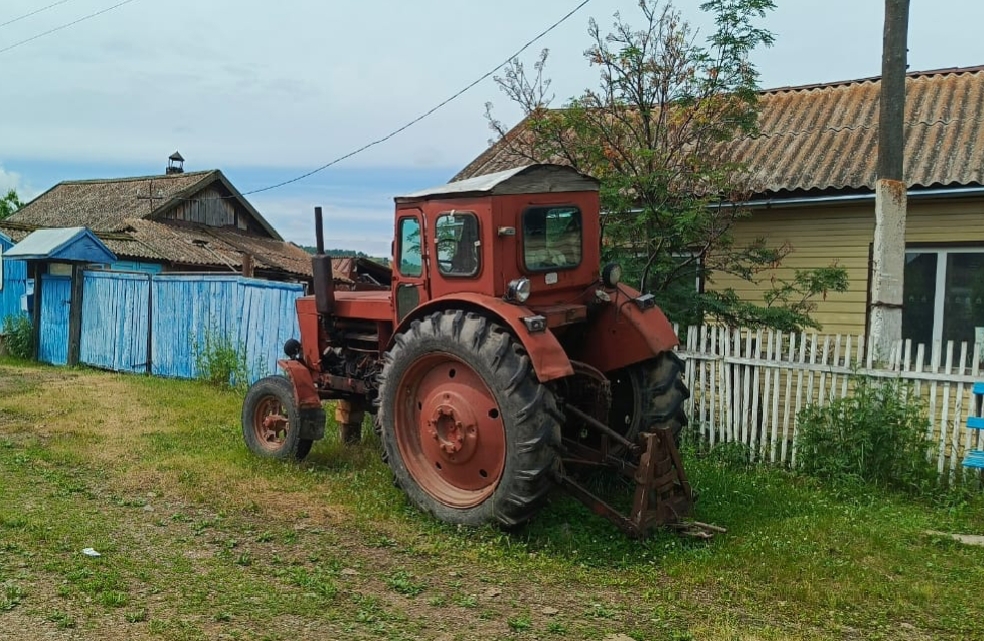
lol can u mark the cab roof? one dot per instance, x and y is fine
(529, 179)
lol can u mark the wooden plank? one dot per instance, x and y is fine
(729, 389)
(774, 414)
(760, 430)
(824, 360)
(746, 375)
(946, 408)
(799, 395)
(786, 418)
(713, 396)
(958, 414)
(702, 366)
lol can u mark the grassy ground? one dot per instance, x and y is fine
(201, 540)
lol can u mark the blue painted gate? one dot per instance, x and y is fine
(56, 294)
(115, 321)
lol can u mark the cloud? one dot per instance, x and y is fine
(12, 180)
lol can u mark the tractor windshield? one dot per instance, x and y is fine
(551, 238)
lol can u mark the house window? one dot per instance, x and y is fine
(456, 237)
(943, 296)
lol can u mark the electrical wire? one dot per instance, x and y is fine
(33, 13)
(426, 113)
(64, 26)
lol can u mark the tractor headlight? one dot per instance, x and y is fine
(518, 290)
(611, 274)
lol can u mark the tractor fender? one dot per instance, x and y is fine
(305, 393)
(623, 334)
(548, 358)
(310, 411)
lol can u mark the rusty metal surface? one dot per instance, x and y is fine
(300, 376)
(451, 434)
(824, 137)
(663, 496)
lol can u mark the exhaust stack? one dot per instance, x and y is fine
(324, 282)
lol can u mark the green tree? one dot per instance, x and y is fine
(9, 203)
(653, 132)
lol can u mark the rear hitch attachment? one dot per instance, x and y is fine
(663, 495)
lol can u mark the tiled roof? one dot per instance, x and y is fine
(822, 137)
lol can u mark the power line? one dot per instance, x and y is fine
(426, 113)
(33, 13)
(64, 26)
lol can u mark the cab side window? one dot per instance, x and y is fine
(410, 261)
(458, 246)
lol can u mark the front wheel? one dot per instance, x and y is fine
(468, 431)
(271, 421)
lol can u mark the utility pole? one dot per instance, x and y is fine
(888, 254)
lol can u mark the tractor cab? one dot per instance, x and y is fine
(529, 235)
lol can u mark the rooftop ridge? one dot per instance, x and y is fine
(127, 179)
(944, 71)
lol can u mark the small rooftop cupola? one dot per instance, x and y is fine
(175, 164)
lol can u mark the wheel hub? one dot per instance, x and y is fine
(269, 423)
(456, 432)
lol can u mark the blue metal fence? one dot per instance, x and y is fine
(182, 313)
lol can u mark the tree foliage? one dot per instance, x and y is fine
(9, 203)
(652, 132)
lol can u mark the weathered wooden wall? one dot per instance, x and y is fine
(13, 284)
(176, 315)
(209, 207)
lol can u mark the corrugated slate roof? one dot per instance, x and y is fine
(222, 247)
(104, 205)
(191, 245)
(129, 223)
(822, 137)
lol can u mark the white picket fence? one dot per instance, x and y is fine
(749, 386)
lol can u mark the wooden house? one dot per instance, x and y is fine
(176, 222)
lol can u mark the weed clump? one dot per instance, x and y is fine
(18, 334)
(220, 362)
(876, 436)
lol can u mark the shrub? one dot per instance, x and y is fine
(219, 361)
(19, 336)
(875, 436)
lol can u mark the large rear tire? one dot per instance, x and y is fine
(272, 422)
(468, 431)
(648, 395)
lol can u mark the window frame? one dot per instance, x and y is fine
(942, 252)
(551, 268)
(478, 248)
(400, 245)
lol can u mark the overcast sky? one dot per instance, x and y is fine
(269, 90)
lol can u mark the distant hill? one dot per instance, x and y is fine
(337, 253)
(348, 253)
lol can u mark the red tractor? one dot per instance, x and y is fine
(501, 361)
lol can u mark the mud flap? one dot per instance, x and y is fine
(312, 423)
